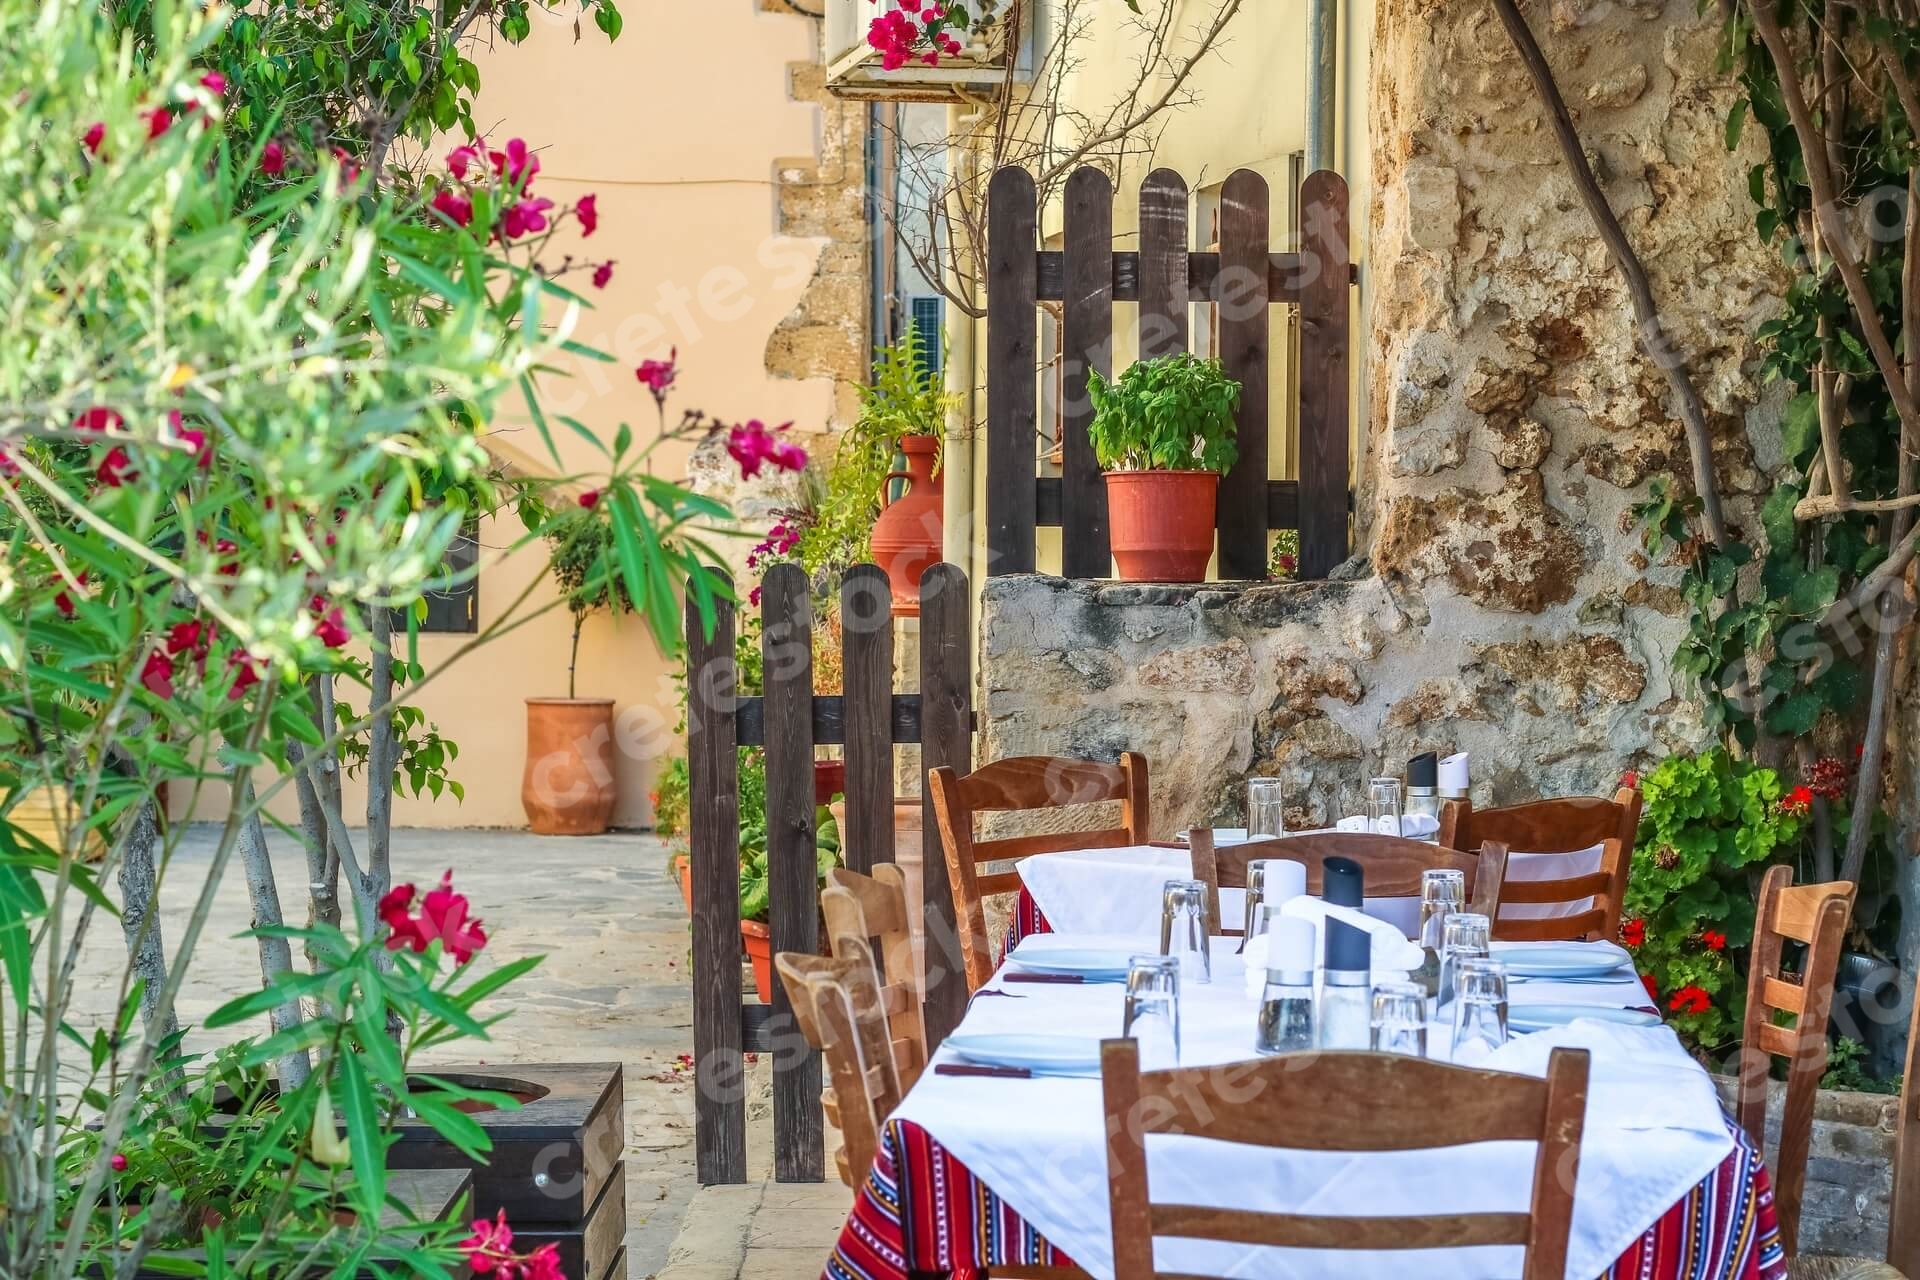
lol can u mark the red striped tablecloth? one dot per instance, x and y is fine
(922, 1211)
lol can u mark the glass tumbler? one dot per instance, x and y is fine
(1153, 1010)
(1383, 806)
(1183, 928)
(1479, 1008)
(1467, 936)
(1400, 1019)
(1256, 918)
(1264, 816)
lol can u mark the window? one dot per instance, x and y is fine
(927, 314)
(455, 610)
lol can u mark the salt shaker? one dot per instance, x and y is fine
(1286, 1022)
(1422, 812)
(1345, 1015)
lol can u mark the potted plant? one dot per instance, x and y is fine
(756, 900)
(568, 788)
(861, 513)
(1163, 432)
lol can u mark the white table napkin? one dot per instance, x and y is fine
(1654, 1130)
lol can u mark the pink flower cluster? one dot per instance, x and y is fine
(751, 444)
(781, 540)
(511, 172)
(490, 1252)
(919, 30)
(442, 915)
(657, 375)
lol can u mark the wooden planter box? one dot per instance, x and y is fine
(431, 1194)
(555, 1167)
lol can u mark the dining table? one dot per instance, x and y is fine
(976, 1172)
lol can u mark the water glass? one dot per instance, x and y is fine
(1400, 1019)
(1479, 1008)
(1153, 1010)
(1443, 892)
(1183, 928)
(1264, 816)
(1468, 936)
(1256, 919)
(1383, 806)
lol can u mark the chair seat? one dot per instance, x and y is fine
(1805, 1268)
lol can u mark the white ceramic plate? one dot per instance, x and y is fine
(1049, 1055)
(1539, 1017)
(1094, 966)
(1560, 960)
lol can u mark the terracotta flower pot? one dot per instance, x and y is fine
(829, 779)
(906, 538)
(683, 875)
(1161, 523)
(568, 787)
(758, 940)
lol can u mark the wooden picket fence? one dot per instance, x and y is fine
(1244, 281)
(789, 722)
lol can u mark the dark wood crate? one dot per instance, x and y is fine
(589, 1248)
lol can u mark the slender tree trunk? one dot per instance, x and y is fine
(276, 954)
(139, 882)
(1654, 340)
(380, 762)
(323, 866)
(573, 654)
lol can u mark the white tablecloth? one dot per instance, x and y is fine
(1654, 1130)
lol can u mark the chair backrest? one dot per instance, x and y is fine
(1816, 915)
(1358, 1102)
(1903, 1210)
(836, 1001)
(1573, 825)
(1024, 784)
(868, 909)
(1392, 864)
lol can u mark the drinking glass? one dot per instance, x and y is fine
(1153, 1009)
(1256, 920)
(1400, 1019)
(1383, 806)
(1183, 928)
(1480, 1008)
(1442, 893)
(1264, 816)
(1467, 937)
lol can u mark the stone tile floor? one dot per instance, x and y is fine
(612, 988)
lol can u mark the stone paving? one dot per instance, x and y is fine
(612, 988)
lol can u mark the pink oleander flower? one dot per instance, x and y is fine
(273, 160)
(454, 206)
(602, 274)
(117, 1162)
(116, 468)
(96, 134)
(517, 164)
(490, 1252)
(443, 915)
(331, 627)
(98, 418)
(460, 159)
(590, 499)
(194, 438)
(751, 444)
(246, 674)
(658, 375)
(157, 676)
(349, 171)
(524, 217)
(64, 602)
(190, 638)
(587, 211)
(159, 120)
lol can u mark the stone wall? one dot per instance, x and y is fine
(1844, 1210)
(1499, 603)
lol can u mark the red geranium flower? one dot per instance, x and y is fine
(443, 915)
(602, 274)
(1828, 778)
(589, 216)
(1633, 932)
(1690, 999)
(1630, 779)
(1713, 940)
(1653, 991)
(1797, 801)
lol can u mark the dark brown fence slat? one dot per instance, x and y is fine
(713, 829)
(1283, 512)
(866, 649)
(1244, 312)
(1012, 438)
(1164, 285)
(793, 914)
(1324, 345)
(1086, 345)
(1203, 273)
(946, 691)
(830, 710)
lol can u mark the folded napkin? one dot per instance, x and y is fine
(1392, 951)
(1641, 1077)
(1414, 826)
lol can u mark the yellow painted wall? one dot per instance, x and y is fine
(677, 127)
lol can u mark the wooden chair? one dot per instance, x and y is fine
(1343, 1102)
(1392, 863)
(1814, 914)
(836, 1001)
(869, 909)
(1556, 826)
(1024, 784)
